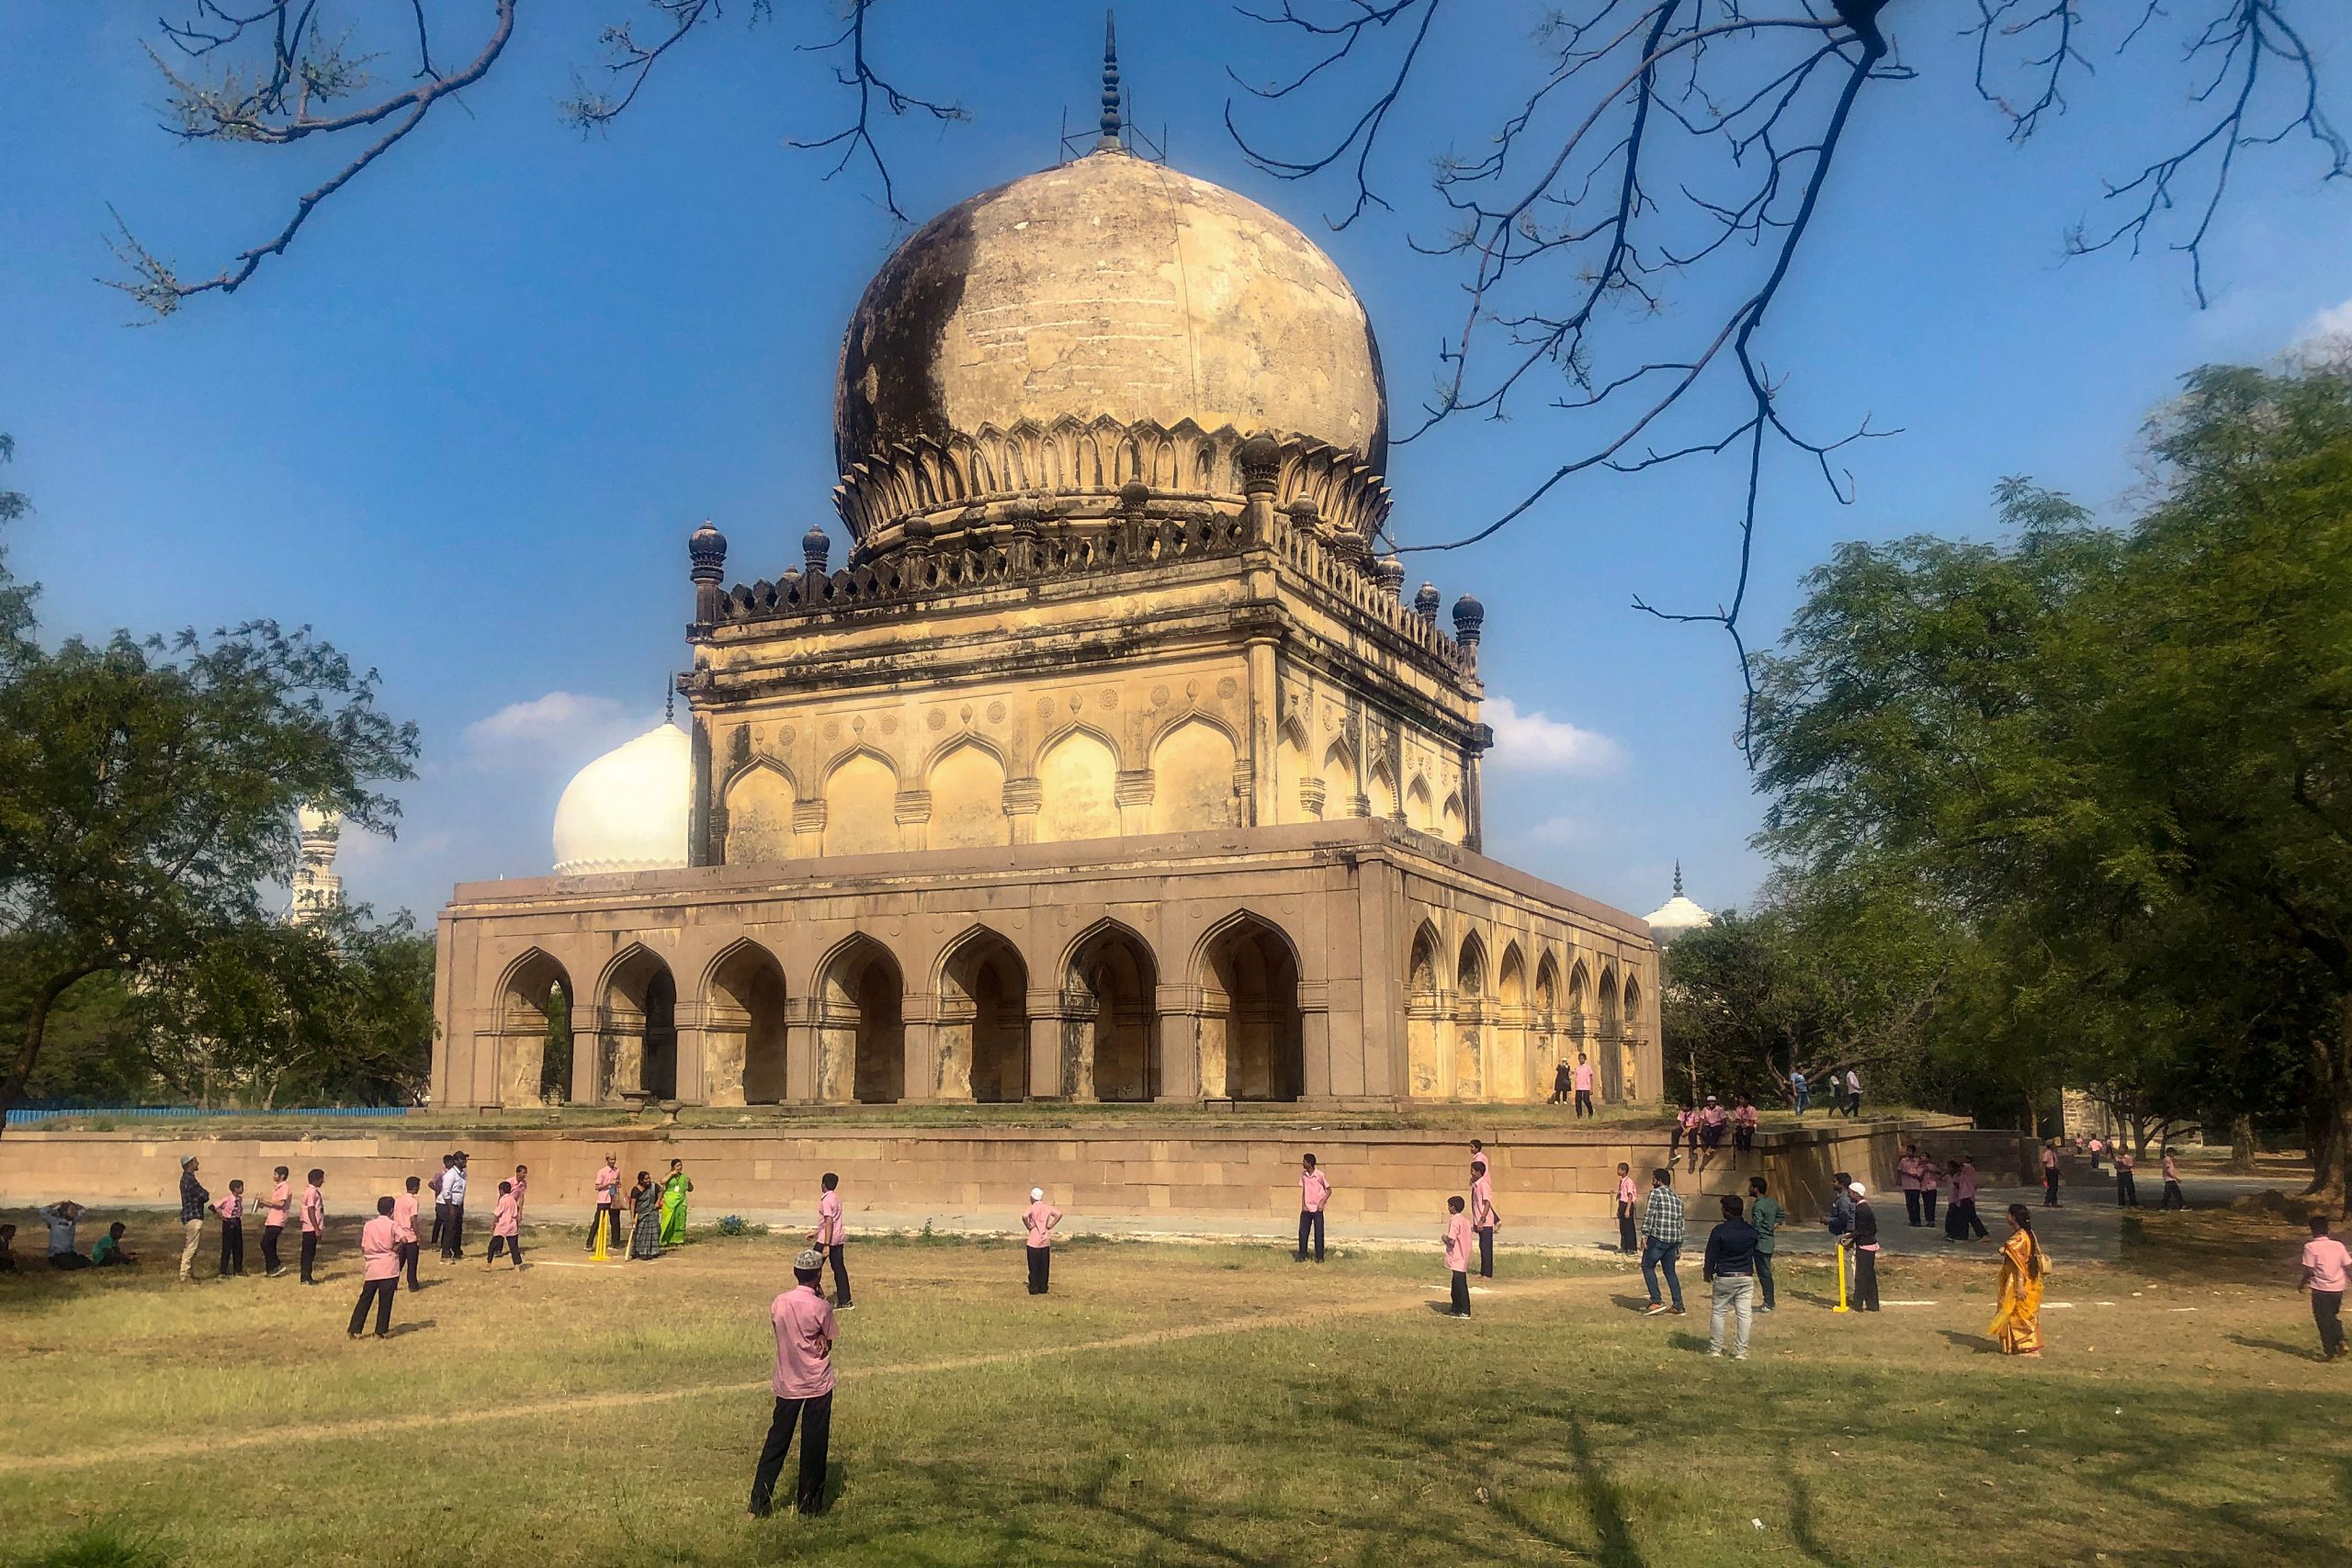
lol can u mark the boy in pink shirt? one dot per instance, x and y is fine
(231, 1207)
(1482, 1218)
(404, 1207)
(1038, 1221)
(314, 1221)
(2173, 1200)
(1313, 1192)
(1627, 1200)
(522, 1185)
(273, 1221)
(1457, 1255)
(832, 1236)
(802, 1385)
(2325, 1264)
(382, 1255)
(1582, 1079)
(506, 1230)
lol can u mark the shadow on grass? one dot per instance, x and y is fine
(1801, 1529)
(1604, 1501)
(1684, 1340)
(2300, 1352)
(1975, 1343)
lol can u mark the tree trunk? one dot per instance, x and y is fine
(2330, 1123)
(2242, 1142)
(20, 1072)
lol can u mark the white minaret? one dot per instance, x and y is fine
(317, 889)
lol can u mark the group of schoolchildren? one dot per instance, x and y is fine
(1704, 1126)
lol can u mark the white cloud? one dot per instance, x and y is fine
(561, 724)
(2331, 325)
(1531, 743)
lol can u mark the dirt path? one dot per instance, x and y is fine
(329, 1431)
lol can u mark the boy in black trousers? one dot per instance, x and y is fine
(1865, 1252)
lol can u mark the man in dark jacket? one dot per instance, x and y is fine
(192, 1199)
(1764, 1212)
(1731, 1267)
(1865, 1252)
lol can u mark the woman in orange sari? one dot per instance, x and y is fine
(2025, 1269)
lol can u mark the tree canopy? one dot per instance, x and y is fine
(2106, 773)
(148, 792)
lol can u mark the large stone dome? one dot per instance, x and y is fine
(1110, 287)
(626, 810)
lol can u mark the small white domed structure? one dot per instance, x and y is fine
(1677, 915)
(626, 810)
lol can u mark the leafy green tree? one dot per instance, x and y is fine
(148, 791)
(2115, 764)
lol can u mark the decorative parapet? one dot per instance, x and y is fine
(1083, 464)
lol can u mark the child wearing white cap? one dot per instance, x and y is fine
(1865, 1252)
(1039, 1219)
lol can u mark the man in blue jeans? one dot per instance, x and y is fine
(1662, 1232)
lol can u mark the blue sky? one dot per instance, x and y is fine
(466, 426)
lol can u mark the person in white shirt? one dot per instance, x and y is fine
(453, 1195)
(62, 1217)
(1853, 1093)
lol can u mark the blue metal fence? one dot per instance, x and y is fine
(25, 1115)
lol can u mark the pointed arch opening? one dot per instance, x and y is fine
(1114, 1035)
(639, 1013)
(1424, 1016)
(861, 1027)
(1629, 1031)
(534, 1022)
(744, 1028)
(1470, 1021)
(1253, 1037)
(1418, 811)
(983, 1030)
(1605, 1036)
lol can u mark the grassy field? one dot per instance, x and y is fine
(1211, 1406)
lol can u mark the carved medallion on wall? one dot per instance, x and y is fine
(937, 718)
(1108, 696)
(785, 736)
(889, 724)
(1159, 696)
(1226, 687)
(996, 713)
(832, 729)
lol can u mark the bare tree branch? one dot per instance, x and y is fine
(275, 109)
(872, 91)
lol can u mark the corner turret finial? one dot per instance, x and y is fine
(1111, 118)
(669, 700)
(1678, 878)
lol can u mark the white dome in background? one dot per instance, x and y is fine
(626, 810)
(1677, 915)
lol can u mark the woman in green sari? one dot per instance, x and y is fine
(674, 1204)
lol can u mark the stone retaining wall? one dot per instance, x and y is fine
(1544, 1177)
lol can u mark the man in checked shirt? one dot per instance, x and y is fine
(1662, 1233)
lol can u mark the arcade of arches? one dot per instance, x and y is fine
(1373, 978)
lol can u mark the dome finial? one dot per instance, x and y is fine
(1678, 876)
(1110, 142)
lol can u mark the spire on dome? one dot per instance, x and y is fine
(1111, 117)
(1678, 877)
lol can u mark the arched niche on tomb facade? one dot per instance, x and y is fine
(861, 1027)
(638, 1016)
(759, 802)
(535, 1031)
(1191, 778)
(862, 805)
(744, 1028)
(1606, 1037)
(1471, 1006)
(966, 788)
(1078, 781)
(1628, 1085)
(1253, 1034)
(982, 1028)
(1507, 1031)
(1112, 1041)
(1426, 1020)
